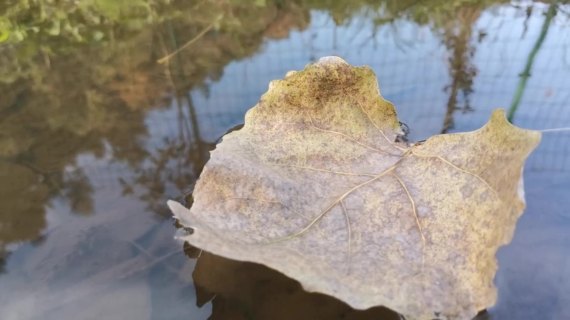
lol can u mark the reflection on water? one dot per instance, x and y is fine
(239, 290)
(100, 124)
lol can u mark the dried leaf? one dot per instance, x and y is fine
(315, 186)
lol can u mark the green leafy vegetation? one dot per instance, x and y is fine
(81, 79)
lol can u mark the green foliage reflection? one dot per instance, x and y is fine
(79, 77)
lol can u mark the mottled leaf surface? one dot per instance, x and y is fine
(315, 186)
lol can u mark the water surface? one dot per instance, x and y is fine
(96, 135)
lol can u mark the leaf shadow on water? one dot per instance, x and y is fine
(246, 290)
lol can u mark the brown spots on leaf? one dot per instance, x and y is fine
(315, 186)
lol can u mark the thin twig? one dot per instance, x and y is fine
(530, 60)
(555, 130)
(187, 44)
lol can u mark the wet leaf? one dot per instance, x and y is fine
(315, 186)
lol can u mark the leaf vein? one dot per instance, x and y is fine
(350, 138)
(415, 212)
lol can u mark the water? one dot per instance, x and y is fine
(96, 135)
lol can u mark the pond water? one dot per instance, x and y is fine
(99, 126)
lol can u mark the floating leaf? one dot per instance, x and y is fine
(316, 186)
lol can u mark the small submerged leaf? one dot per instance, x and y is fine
(315, 186)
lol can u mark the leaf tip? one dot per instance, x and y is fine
(499, 119)
(331, 60)
(178, 210)
(499, 114)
